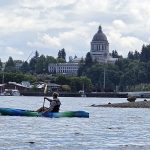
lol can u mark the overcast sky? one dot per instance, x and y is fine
(50, 25)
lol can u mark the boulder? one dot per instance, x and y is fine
(131, 99)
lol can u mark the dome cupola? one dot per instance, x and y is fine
(99, 47)
(99, 36)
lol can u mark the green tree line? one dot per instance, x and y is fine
(125, 75)
(129, 73)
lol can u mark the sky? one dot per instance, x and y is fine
(50, 25)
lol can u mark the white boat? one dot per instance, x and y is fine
(83, 95)
(11, 92)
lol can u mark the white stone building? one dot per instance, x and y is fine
(100, 48)
(63, 68)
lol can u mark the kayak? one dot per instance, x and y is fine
(30, 113)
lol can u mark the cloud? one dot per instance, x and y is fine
(7, 51)
(13, 51)
(69, 40)
(45, 41)
(119, 25)
(49, 25)
(124, 44)
(54, 41)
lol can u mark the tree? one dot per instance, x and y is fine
(62, 80)
(49, 59)
(88, 60)
(145, 53)
(60, 60)
(115, 54)
(17, 77)
(41, 64)
(10, 65)
(33, 62)
(96, 74)
(66, 88)
(62, 54)
(25, 67)
(36, 54)
(136, 55)
(87, 83)
(82, 68)
(1, 64)
(130, 55)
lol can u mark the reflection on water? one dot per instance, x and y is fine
(106, 129)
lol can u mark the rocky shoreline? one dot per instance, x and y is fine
(138, 104)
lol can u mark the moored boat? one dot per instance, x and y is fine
(11, 92)
(21, 112)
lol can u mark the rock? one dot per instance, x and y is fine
(131, 99)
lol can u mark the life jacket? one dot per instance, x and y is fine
(56, 108)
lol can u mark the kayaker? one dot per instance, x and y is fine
(54, 104)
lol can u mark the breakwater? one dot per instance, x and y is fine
(139, 104)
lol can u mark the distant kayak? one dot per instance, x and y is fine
(30, 113)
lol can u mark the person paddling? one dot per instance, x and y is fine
(54, 104)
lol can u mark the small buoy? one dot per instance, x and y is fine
(145, 100)
(109, 103)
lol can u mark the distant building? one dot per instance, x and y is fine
(63, 68)
(100, 48)
(26, 83)
(77, 60)
(13, 85)
(18, 64)
(74, 60)
(51, 87)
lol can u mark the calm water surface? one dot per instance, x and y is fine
(106, 129)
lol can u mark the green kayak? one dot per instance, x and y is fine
(30, 113)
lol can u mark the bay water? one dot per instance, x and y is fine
(105, 129)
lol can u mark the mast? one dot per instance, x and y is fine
(83, 87)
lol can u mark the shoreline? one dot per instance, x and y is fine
(75, 94)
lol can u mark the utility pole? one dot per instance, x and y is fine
(3, 77)
(104, 85)
(3, 68)
(104, 78)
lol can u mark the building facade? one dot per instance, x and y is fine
(100, 48)
(63, 68)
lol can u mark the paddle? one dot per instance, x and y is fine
(45, 91)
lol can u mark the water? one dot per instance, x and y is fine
(106, 129)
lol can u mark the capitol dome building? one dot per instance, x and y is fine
(100, 48)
